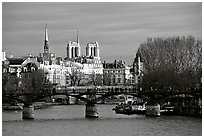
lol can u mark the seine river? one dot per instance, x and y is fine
(69, 120)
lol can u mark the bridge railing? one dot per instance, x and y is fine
(96, 89)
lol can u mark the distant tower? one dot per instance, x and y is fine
(138, 67)
(73, 48)
(3, 55)
(77, 37)
(92, 49)
(46, 46)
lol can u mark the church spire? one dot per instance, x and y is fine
(46, 42)
(46, 33)
(77, 37)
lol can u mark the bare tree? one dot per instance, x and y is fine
(172, 63)
(107, 79)
(96, 79)
(34, 81)
(9, 86)
(33, 84)
(76, 77)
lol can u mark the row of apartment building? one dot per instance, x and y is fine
(58, 69)
(117, 72)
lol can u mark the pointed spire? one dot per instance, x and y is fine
(46, 42)
(77, 37)
(46, 33)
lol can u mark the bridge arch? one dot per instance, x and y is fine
(103, 94)
(102, 97)
(72, 95)
(21, 100)
(17, 99)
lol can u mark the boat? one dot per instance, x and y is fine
(168, 111)
(129, 109)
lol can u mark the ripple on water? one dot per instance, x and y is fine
(70, 120)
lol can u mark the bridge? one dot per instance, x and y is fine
(92, 95)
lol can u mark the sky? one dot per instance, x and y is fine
(118, 27)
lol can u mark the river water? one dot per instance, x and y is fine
(69, 120)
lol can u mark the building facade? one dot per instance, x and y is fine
(18, 65)
(92, 50)
(73, 49)
(58, 70)
(90, 62)
(117, 72)
(57, 73)
(138, 67)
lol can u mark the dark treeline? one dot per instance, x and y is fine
(173, 63)
(32, 82)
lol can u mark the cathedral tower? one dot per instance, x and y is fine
(92, 49)
(73, 48)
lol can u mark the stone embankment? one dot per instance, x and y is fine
(37, 105)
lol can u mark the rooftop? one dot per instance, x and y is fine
(115, 64)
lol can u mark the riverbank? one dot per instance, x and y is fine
(37, 105)
(41, 105)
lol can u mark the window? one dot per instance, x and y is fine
(54, 81)
(114, 79)
(25, 69)
(119, 80)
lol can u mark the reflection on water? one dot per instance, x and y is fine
(70, 120)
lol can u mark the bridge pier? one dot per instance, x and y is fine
(153, 109)
(103, 101)
(72, 100)
(91, 110)
(28, 112)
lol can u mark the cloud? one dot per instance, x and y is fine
(118, 27)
